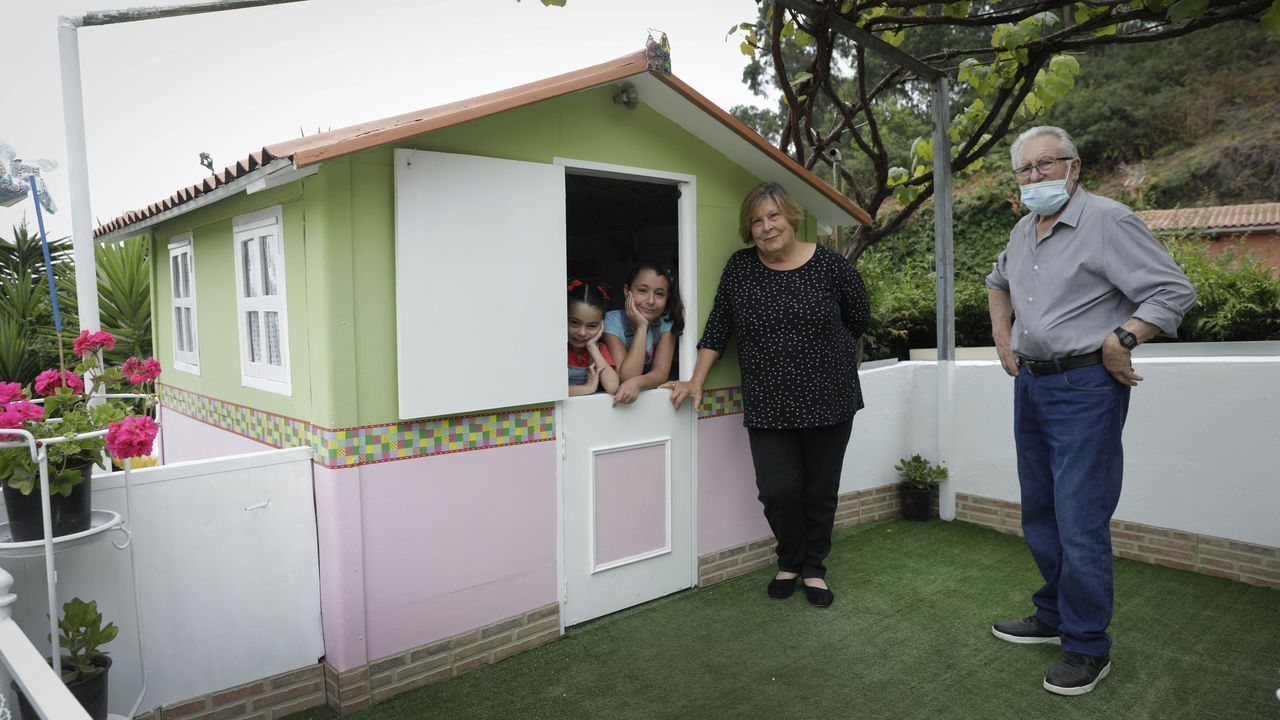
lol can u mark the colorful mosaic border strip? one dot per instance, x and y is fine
(351, 447)
(720, 401)
(348, 447)
(267, 428)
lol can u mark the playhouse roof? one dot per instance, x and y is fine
(1224, 218)
(283, 162)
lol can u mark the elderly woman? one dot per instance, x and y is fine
(797, 309)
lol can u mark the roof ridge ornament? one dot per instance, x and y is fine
(657, 53)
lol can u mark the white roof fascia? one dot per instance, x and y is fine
(660, 97)
(280, 177)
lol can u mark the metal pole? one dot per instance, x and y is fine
(78, 170)
(111, 17)
(73, 120)
(50, 570)
(48, 264)
(944, 263)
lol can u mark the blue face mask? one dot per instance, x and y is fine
(1046, 197)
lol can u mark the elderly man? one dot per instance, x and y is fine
(1084, 283)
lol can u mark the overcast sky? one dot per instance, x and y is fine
(160, 92)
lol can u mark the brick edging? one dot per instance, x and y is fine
(268, 699)
(360, 687)
(1203, 554)
(855, 508)
(355, 689)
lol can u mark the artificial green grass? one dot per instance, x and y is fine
(908, 637)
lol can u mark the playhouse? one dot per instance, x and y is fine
(392, 296)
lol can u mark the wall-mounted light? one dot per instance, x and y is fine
(627, 95)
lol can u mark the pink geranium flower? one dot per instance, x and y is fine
(10, 392)
(140, 372)
(48, 382)
(89, 343)
(131, 437)
(14, 414)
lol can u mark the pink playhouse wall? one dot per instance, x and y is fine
(416, 549)
(728, 510)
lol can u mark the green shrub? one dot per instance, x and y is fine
(1238, 297)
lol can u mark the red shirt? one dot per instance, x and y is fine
(580, 358)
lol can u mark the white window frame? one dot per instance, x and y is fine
(184, 360)
(263, 225)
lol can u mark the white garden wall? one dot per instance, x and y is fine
(1202, 443)
(228, 573)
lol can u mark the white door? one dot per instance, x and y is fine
(628, 502)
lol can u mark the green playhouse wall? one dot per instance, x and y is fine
(340, 252)
(215, 278)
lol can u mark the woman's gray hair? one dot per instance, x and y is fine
(1068, 145)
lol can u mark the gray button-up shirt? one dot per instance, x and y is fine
(1098, 266)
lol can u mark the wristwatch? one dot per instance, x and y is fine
(1127, 339)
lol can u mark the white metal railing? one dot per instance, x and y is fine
(40, 455)
(44, 690)
(38, 447)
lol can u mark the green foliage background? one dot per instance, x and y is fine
(28, 342)
(1204, 124)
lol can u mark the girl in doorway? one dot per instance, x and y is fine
(590, 364)
(643, 334)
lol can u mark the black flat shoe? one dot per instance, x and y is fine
(819, 597)
(781, 589)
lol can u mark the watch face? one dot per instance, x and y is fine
(1127, 339)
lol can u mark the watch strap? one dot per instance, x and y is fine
(1127, 339)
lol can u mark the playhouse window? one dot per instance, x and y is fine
(613, 221)
(260, 301)
(182, 294)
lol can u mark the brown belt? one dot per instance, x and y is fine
(1049, 367)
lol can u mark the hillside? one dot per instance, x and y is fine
(1191, 122)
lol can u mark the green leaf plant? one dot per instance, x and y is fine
(1009, 64)
(917, 473)
(81, 635)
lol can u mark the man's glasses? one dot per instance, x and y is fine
(1045, 165)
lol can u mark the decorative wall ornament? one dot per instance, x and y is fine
(14, 186)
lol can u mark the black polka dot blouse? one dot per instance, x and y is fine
(796, 331)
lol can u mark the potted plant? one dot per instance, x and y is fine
(84, 664)
(917, 480)
(69, 410)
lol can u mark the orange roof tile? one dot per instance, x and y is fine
(317, 148)
(1226, 217)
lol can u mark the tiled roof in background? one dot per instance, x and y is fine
(1256, 216)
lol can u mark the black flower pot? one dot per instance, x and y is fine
(90, 691)
(916, 504)
(70, 514)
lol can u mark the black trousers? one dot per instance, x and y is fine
(798, 476)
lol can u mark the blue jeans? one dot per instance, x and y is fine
(1067, 429)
